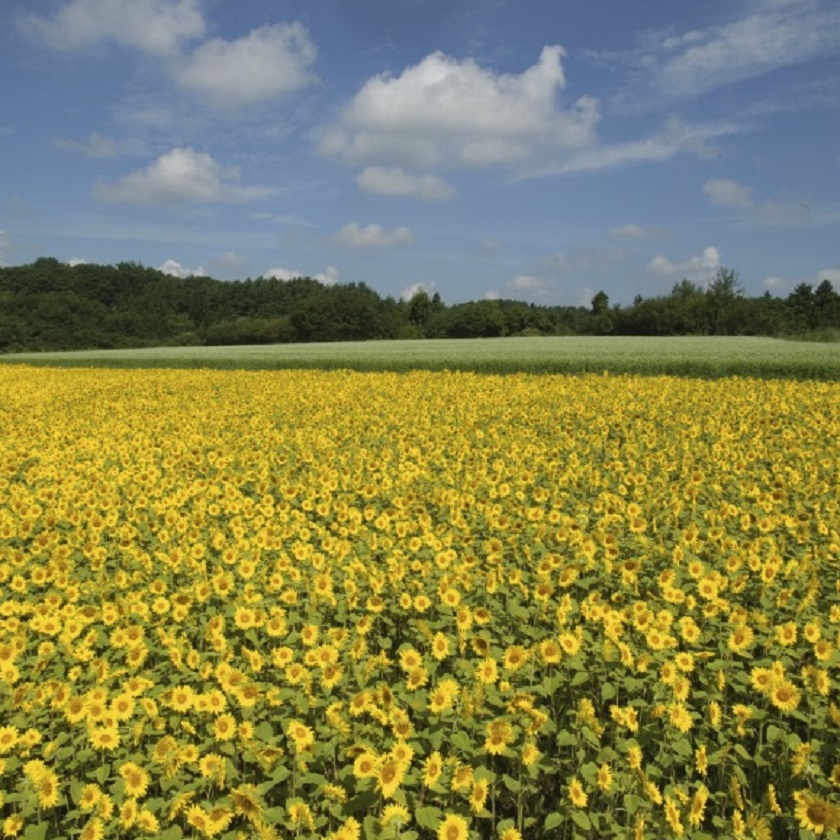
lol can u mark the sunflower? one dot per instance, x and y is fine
(135, 779)
(478, 795)
(365, 765)
(396, 815)
(604, 777)
(46, 787)
(453, 827)
(302, 736)
(104, 738)
(224, 728)
(300, 815)
(148, 822)
(698, 806)
(672, 815)
(432, 769)
(487, 671)
(93, 830)
(89, 797)
(390, 776)
(8, 739)
(815, 813)
(499, 736)
(785, 696)
(577, 795)
(247, 803)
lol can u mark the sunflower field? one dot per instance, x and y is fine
(308, 604)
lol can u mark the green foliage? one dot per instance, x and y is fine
(50, 305)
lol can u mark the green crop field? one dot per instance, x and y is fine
(682, 356)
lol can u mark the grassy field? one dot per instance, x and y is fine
(682, 356)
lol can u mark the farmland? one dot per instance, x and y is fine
(681, 356)
(428, 604)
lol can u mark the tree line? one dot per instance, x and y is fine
(50, 305)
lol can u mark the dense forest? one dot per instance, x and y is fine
(50, 305)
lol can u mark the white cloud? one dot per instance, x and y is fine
(266, 63)
(372, 236)
(228, 264)
(675, 138)
(728, 193)
(697, 268)
(280, 273)
(74, 261)
(634, 231)
(410, 291)
(181, 176)
(99, 146)
(830, 274)
(778, 34)
(443, 111)
(175, 269)
(394, 180)
(153, 26)
(329, 276)
(95, 145)
(5, 245)
(527, 283)
(776, 285)
(491, 243)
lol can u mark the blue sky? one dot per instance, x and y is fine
(534, 150)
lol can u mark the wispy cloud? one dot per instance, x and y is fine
(157, 27)
(725, 192)
(672, 65)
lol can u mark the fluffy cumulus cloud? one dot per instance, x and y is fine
(329, 276)
(777, 33)
(410, 291)
(353, 235)
(153, 26)
(181, 176)
(394, 180)
(266, 63)
(445, 111)
(697, 268)
(176, 269)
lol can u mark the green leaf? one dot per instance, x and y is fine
(511, 784)
(631, 803)
(36, 832)
(581, 820)
(552, 821)
(361, 802)
(462, 742)
(428, 816)
(172, 833)
(371, 827)
(565, 738)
